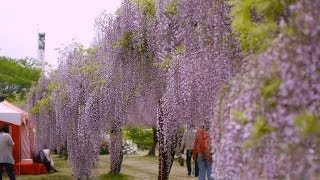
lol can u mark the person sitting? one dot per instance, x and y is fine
(45, 158)
(48, 161)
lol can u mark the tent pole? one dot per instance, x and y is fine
(20, 148)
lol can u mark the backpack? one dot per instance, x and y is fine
(207, 150)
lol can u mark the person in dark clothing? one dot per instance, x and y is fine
(188, 143)
(42, 157)
(6, 159)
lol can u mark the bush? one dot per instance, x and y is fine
(140, 136)
(129, 147)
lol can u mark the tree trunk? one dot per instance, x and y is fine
(166, 149)
(116, 154)
(152, 151)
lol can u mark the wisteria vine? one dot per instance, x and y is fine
(267, 122)
(179, 62)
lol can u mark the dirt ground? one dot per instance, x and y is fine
(145, 167)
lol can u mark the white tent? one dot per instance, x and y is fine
(17, 120)
(9, 115)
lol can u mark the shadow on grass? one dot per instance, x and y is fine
(114, 176)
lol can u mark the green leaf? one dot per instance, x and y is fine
(141, 136)
(308, 123)
(239, 116)
(179, 49)
(172, 7)
(125, 42)
(261, 127)
(271, 87)
(52, 86)
(42, 103)
(17, 76)
(148, 6)
(90, 68)
(248, 144)
(256, 21)
(166, 64)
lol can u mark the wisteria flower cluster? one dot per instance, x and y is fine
(177, 63)
(267, 122)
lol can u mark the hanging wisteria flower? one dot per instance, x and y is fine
(267, 123)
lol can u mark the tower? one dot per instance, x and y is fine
(41, 49)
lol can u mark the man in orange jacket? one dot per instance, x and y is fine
(202, 150)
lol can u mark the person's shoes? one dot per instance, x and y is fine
(189, 174)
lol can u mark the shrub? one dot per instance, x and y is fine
(129, 147)
(140, 136)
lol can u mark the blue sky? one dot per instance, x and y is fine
(61, 20)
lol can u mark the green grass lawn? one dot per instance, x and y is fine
(133, 167)
(65, 174)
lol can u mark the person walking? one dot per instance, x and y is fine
(6, 159)
(187, 143)
(202, 151)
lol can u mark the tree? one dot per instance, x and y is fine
(152, 151)
(17, 76)
(171, 63)
(196, 43)
(140, 136)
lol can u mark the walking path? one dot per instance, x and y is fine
(146, 167)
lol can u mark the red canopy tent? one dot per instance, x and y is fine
(17, 120)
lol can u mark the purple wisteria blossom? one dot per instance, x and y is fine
(267, 121)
